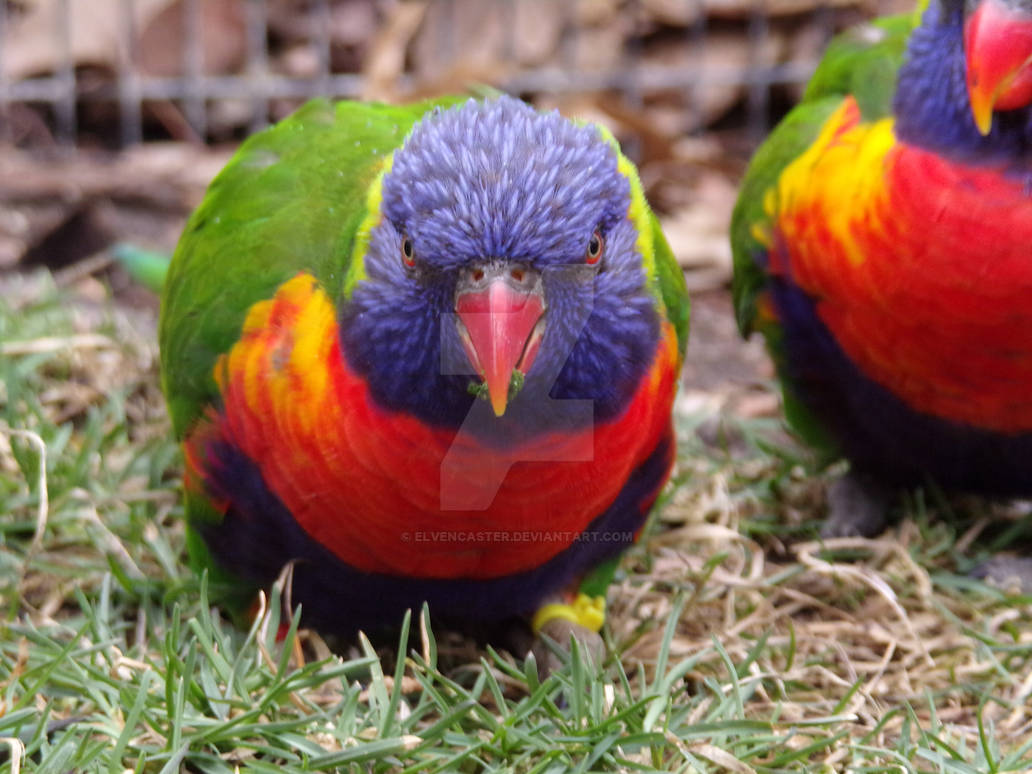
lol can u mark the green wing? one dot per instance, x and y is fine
(290, 200)
(672, 288)
(862, 62)
(788, 140)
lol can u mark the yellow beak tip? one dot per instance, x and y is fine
(499, 403)
(984, 121)
(983, 102)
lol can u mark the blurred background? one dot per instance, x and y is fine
(115, 114)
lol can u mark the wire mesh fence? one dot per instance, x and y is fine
(112, 73)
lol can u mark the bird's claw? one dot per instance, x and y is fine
(552, 646)
(1007, 572)
(858, 506)
(557, 622)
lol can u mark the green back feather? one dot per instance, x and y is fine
(672, 287)
(664, 274)
(789, 139)
(863, 62)
(290, 200)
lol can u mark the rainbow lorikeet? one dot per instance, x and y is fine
(425, 353)
(883, 246)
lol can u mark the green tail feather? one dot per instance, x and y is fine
(147, 267)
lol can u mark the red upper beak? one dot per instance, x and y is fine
(998, 52)
(501, 308)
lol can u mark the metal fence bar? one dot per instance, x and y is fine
(758, 95)
(826, 22)
(446, 32)
(6, 133)
(211, 87)
(193, 60)
(543, 79)
(650, 78)
(697, 43)
(194, 89)
(632, 87)
(64, 105)
(129, 102)
(507, 13)
(257, 63)
(48, 89)
(322, 43)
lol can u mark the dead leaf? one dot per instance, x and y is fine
(723, 51)
(223, 45)
(471, 35)
(386, 60)
(80, 234)
(33, 44)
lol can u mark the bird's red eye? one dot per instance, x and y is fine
(594, 252)
(408, 255)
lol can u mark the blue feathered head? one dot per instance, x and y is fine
(505, 265)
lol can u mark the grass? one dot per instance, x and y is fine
(740, 643)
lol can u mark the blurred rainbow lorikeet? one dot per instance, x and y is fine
(883, 246)
(425, 353)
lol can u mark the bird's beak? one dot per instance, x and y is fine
(998, 52)
(501, 310)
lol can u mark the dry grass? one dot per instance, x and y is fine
(880, 634)
(744, 644)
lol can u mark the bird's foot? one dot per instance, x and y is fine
(556, 623)
(1007, 572)
(858, 506)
